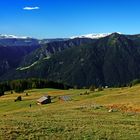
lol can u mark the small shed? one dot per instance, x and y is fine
(65, 98)
(44, 100)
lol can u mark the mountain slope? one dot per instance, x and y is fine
(13, 49)
(51, 48)
(24, 51)
(10, 57)
(113, 61)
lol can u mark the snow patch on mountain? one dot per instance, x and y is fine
(93, 36)
(2, 36)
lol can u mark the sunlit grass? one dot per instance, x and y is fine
(85, 117)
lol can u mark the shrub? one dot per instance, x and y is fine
(19, 98)
(135, 82)
(100, 88)
(92, 88)
(1, 92)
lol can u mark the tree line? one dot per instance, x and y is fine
(21, 85)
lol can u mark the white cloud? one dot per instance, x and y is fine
(31, 8)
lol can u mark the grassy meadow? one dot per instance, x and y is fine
(86, 117)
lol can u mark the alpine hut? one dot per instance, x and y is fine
(44, 100)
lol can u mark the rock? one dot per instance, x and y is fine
(110, 110)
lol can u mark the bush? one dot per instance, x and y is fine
(1, 92)
(100, 88)
(19, 98)
(86, 93)
(135, 82)
(92, 88)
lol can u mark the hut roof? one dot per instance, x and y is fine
(43, 98)
(65, 98)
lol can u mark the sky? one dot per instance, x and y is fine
(66, 18)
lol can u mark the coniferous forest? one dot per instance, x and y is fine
(20, 85)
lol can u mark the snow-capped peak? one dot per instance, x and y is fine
(93, 36)
(12, 36)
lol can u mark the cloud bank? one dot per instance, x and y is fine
(31, 8)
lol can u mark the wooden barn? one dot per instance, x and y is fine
(44, 100)
(65, 98)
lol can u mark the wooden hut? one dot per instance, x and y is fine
(44, 100)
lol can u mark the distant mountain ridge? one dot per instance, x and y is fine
(93, 36)
(4, 36)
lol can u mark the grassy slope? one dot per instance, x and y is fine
(85, 117)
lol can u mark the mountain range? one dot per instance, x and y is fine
(104, 59)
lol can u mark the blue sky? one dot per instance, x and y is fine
(65, 18)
